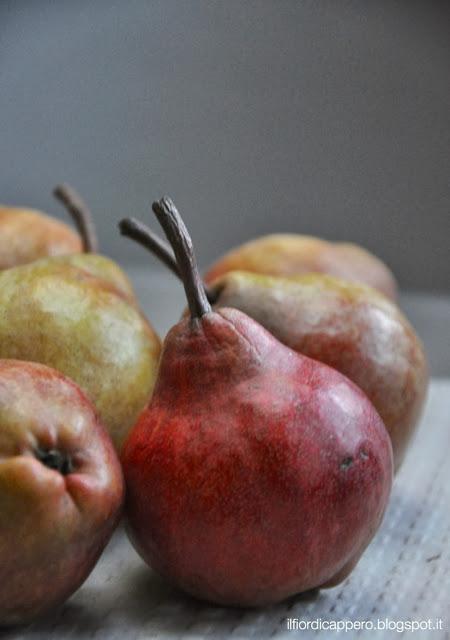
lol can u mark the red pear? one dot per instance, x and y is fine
(255, 473)
(61, 489)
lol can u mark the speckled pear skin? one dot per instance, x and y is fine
(66, 318)
(255, 473)
(53, 527)
(292, 255)
(103, 268)
(349, 327)
(27, 235)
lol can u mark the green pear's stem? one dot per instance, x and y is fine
(180, 240)
(80, 214)
(143, 235)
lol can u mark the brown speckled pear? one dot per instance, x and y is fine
(291, 255)
(27, 235)
(61, 490)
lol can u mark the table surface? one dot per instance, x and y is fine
(403, 575)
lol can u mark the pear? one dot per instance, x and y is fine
(348, 326)
(292, 254)
(61, 490)
(66, 313)
(27, 235)
(255, 473)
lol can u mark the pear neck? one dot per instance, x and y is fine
(210, 352)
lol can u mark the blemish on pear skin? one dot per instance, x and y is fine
(346, 463)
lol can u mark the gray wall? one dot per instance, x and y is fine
(330, 118)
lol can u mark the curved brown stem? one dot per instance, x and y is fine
(180, 240)
(147, 238)
(143, 235)
(80, 214)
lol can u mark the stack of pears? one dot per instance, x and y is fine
(78, 314)
(258, 443)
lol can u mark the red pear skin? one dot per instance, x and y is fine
(27, 235)
(255, 473)
(292, 255)
(348, 326)
(61, 490)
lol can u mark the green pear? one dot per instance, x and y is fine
(58, 314)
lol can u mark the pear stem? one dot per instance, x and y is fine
(143, 235)
(180, 240)
(80, 214)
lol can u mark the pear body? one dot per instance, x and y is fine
(348, 326)
(292, 255)
(104, 268)
(27, 235)
(79, 324)
(255, 473)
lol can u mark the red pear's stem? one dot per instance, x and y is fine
(180, 240)
(80, 214)
(147, 238)
(143, 235)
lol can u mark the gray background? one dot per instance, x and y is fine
(329, 118)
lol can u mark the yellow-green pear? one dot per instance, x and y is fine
(62, 316)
